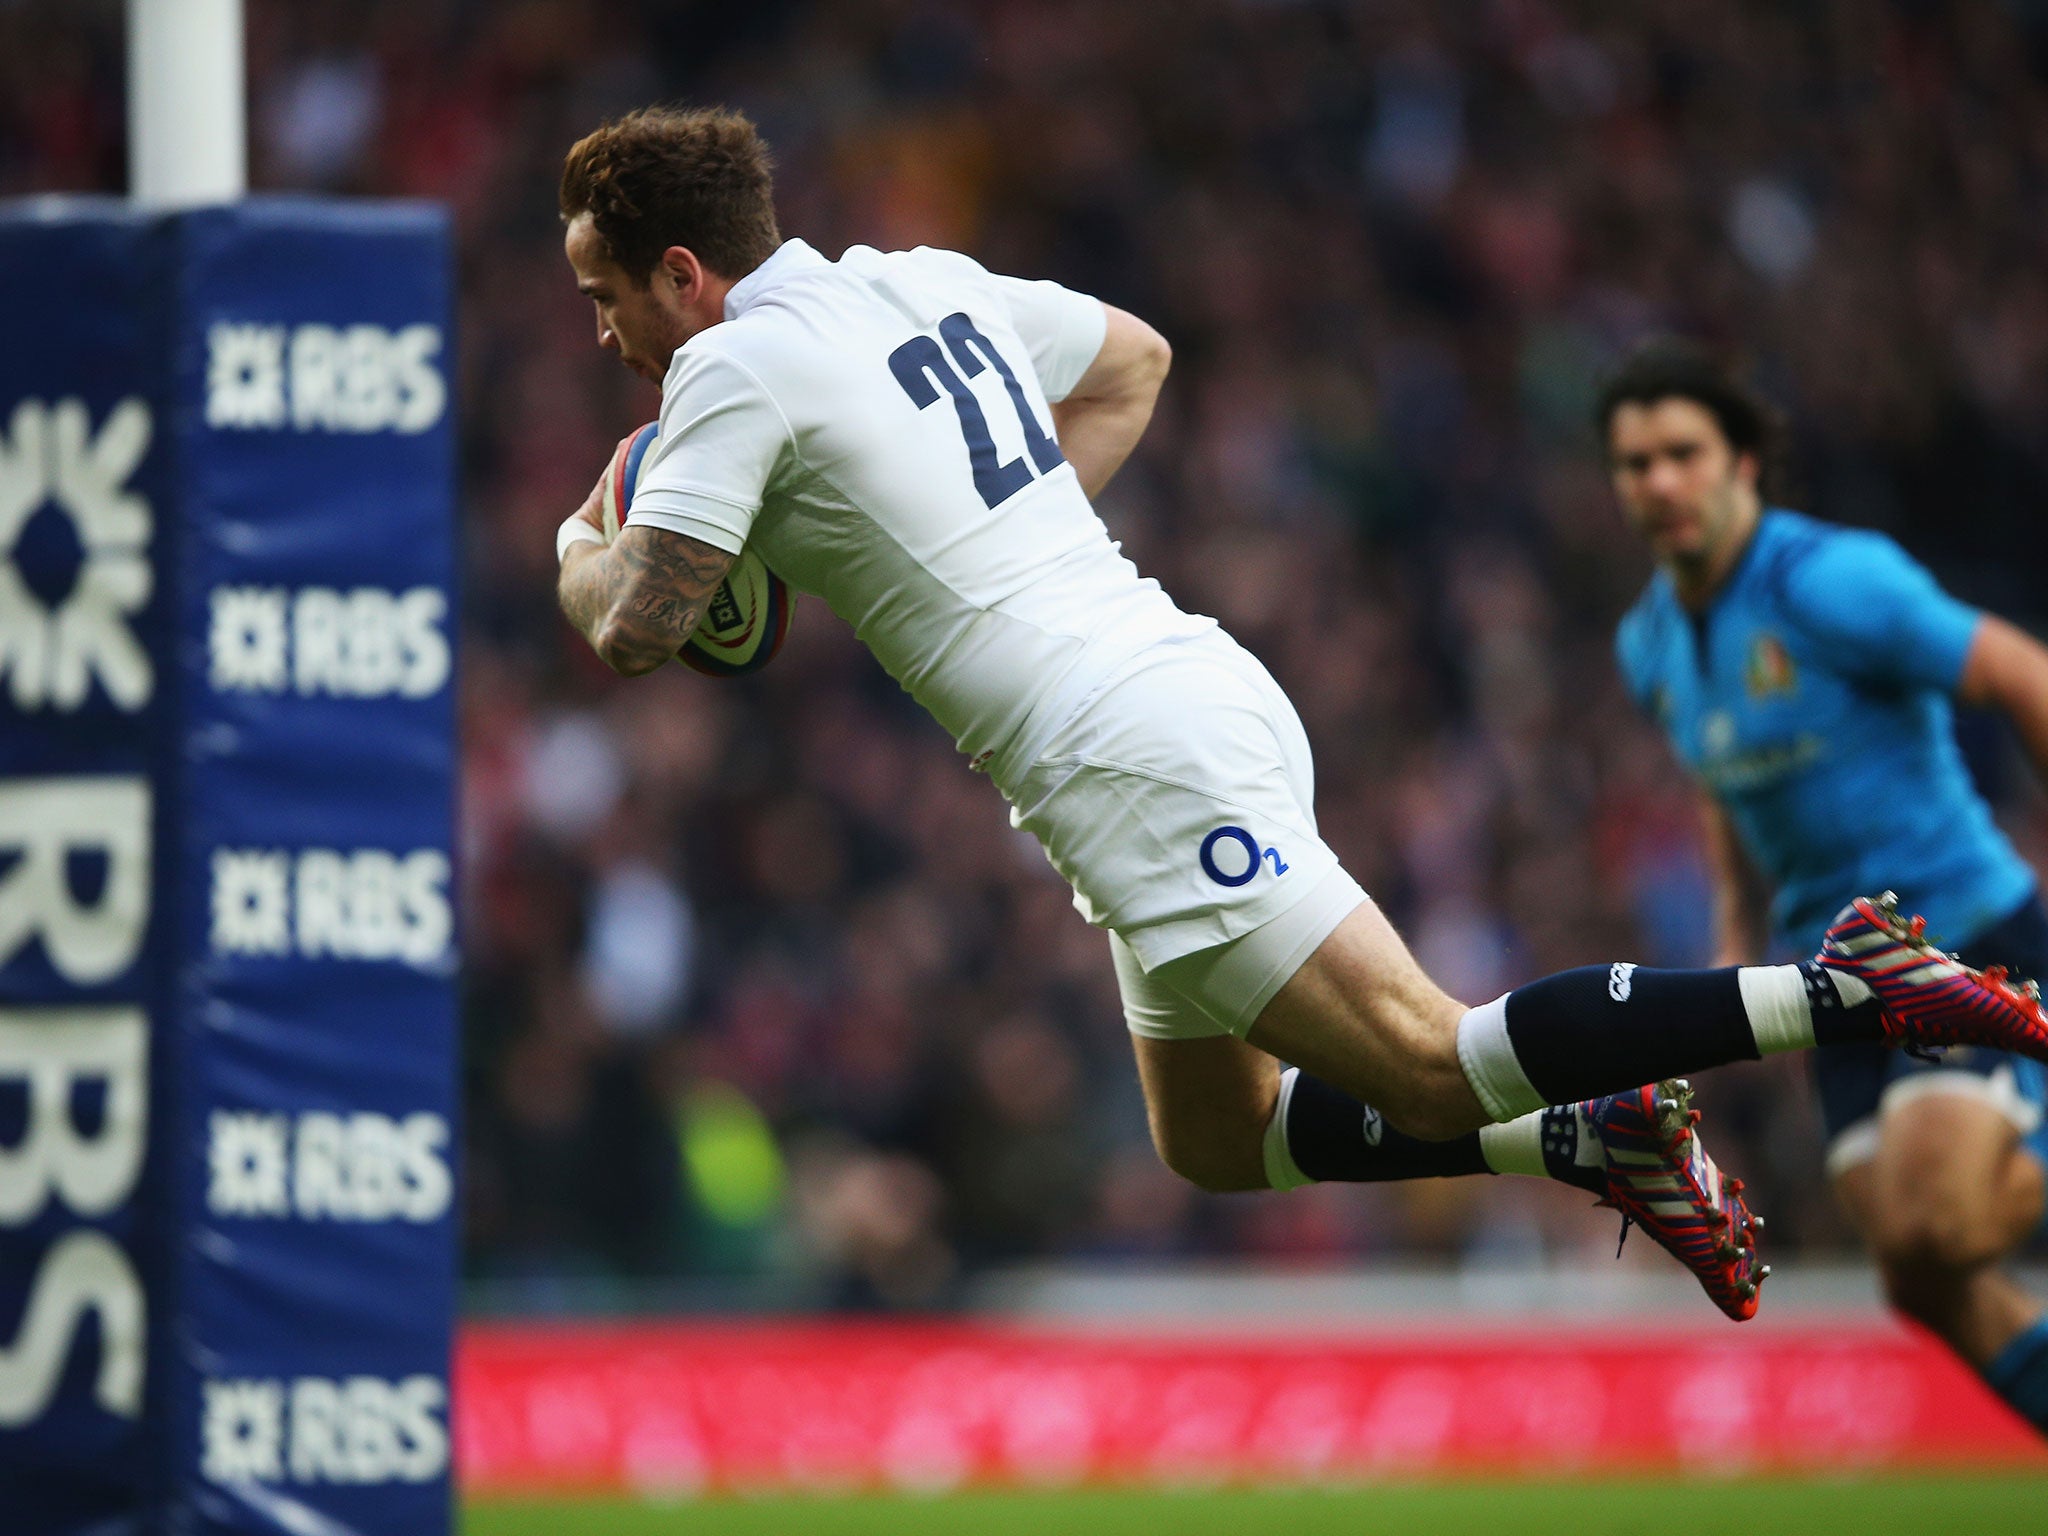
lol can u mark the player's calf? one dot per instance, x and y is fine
(1992, 1323)
(1362, 1015)
(1927, 1288)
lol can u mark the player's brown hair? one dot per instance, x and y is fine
(667, 176)
(1673, 367)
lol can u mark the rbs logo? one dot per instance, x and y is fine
(360, 1167)
(57, 638)
(323, 378)
(362, 644)
(359, 1430)
(365, 904)
(56, 1052)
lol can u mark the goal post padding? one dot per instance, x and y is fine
(227, 948)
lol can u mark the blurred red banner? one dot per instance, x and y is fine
(673, 1408)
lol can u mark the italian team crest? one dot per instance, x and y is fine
(1770, 668)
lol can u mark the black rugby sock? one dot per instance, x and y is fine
(1332, 1136)
(1582, 1032)
(1328, 1136)
(1607, 1028)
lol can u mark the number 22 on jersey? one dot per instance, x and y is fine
(924, 368)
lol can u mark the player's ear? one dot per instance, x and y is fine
(1748, 468)
(681, 269)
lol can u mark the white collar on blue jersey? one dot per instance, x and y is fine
(790, 258)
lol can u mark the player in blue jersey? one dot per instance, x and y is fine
(1804, 675)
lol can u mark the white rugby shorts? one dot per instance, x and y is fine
(1179, 804)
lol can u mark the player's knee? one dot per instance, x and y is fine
(1927, 1242)
(1219, 1158)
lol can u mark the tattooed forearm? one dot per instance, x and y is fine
(637, 600)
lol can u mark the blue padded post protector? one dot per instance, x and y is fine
(227, 949)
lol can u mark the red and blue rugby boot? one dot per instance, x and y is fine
(1928, 998)
(1661, 1179)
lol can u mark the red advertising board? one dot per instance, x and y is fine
(675, 1408)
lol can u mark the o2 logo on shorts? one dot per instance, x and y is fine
(1239, 848)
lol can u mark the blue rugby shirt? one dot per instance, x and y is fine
(1812, 699)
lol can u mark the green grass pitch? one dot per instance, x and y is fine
(1990, 1504)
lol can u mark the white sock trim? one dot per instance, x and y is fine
(1490, 1063)
(1516, 1147)
(1774, 997)
(1282, 1172)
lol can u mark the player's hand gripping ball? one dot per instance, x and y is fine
(748, 616)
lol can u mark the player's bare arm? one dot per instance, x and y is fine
(1741, 903)
(2007, 670)
(637, 599)
(1105, 414)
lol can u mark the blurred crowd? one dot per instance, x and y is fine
(765, 1000)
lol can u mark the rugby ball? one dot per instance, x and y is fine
(748, 617)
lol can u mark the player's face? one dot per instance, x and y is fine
(641, 321)
(1683, 487)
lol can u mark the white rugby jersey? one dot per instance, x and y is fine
(877, 430)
